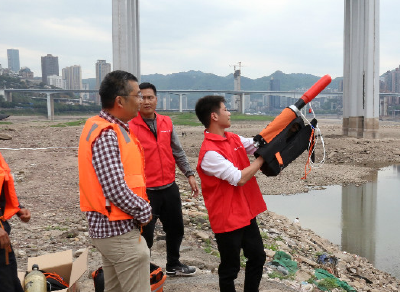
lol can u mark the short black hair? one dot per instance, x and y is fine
(147, 85)
(206, 105)
(115, 83)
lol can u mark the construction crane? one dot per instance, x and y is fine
(236, 75)
(239, 64)
(236, 99)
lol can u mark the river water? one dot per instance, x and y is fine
(361, 219)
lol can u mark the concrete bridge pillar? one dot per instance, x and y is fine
(180, 102)
(50, 107)
(242, 103)
(125, 36)
(7, 95)
(361, 69)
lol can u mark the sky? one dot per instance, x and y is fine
(212, 36)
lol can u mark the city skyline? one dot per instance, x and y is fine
(265, 36)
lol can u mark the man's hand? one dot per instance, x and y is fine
(193, 185)
(4, 239)
(24, 214)
(144, 224)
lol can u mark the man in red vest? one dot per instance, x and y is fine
(9, 206)
(112, 185)
(163, 150)
(231, 194)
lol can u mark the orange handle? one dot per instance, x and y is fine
(316, 88)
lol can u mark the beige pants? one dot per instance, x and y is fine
(126, 262)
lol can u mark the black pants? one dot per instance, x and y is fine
(167, 207)
(9, 281)
(229, 245)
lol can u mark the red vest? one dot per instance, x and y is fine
(229, 207)
(160, 163)
(91, 193)
(7, 182)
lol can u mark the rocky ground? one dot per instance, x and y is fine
(46, 174)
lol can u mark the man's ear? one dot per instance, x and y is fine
(118, 100)
(214, 116)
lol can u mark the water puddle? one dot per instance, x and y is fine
(363, 219)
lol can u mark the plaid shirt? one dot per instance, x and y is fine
(107, 164)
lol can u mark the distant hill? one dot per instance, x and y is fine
(199, 80)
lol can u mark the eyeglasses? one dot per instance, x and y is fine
(139, 95)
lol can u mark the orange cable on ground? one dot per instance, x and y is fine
(310, 150)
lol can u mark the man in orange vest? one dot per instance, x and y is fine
(9, 206)
(163, 150)
(231, 194)
(113, 186)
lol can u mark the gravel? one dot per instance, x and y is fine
(45, 168)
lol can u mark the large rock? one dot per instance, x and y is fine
(5, 136)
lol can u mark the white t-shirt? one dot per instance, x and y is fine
(214, 164)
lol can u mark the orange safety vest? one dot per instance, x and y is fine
(132, 158)
(7, 182)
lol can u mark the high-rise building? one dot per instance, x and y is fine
(102, 69)
(275, 100)
(274, 84)
(13, 60)
(49, 67)
(56, 81)
(235, 100)
(73, 77)
(85, 95)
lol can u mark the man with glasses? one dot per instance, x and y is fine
(162, 151)
(113, 188)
